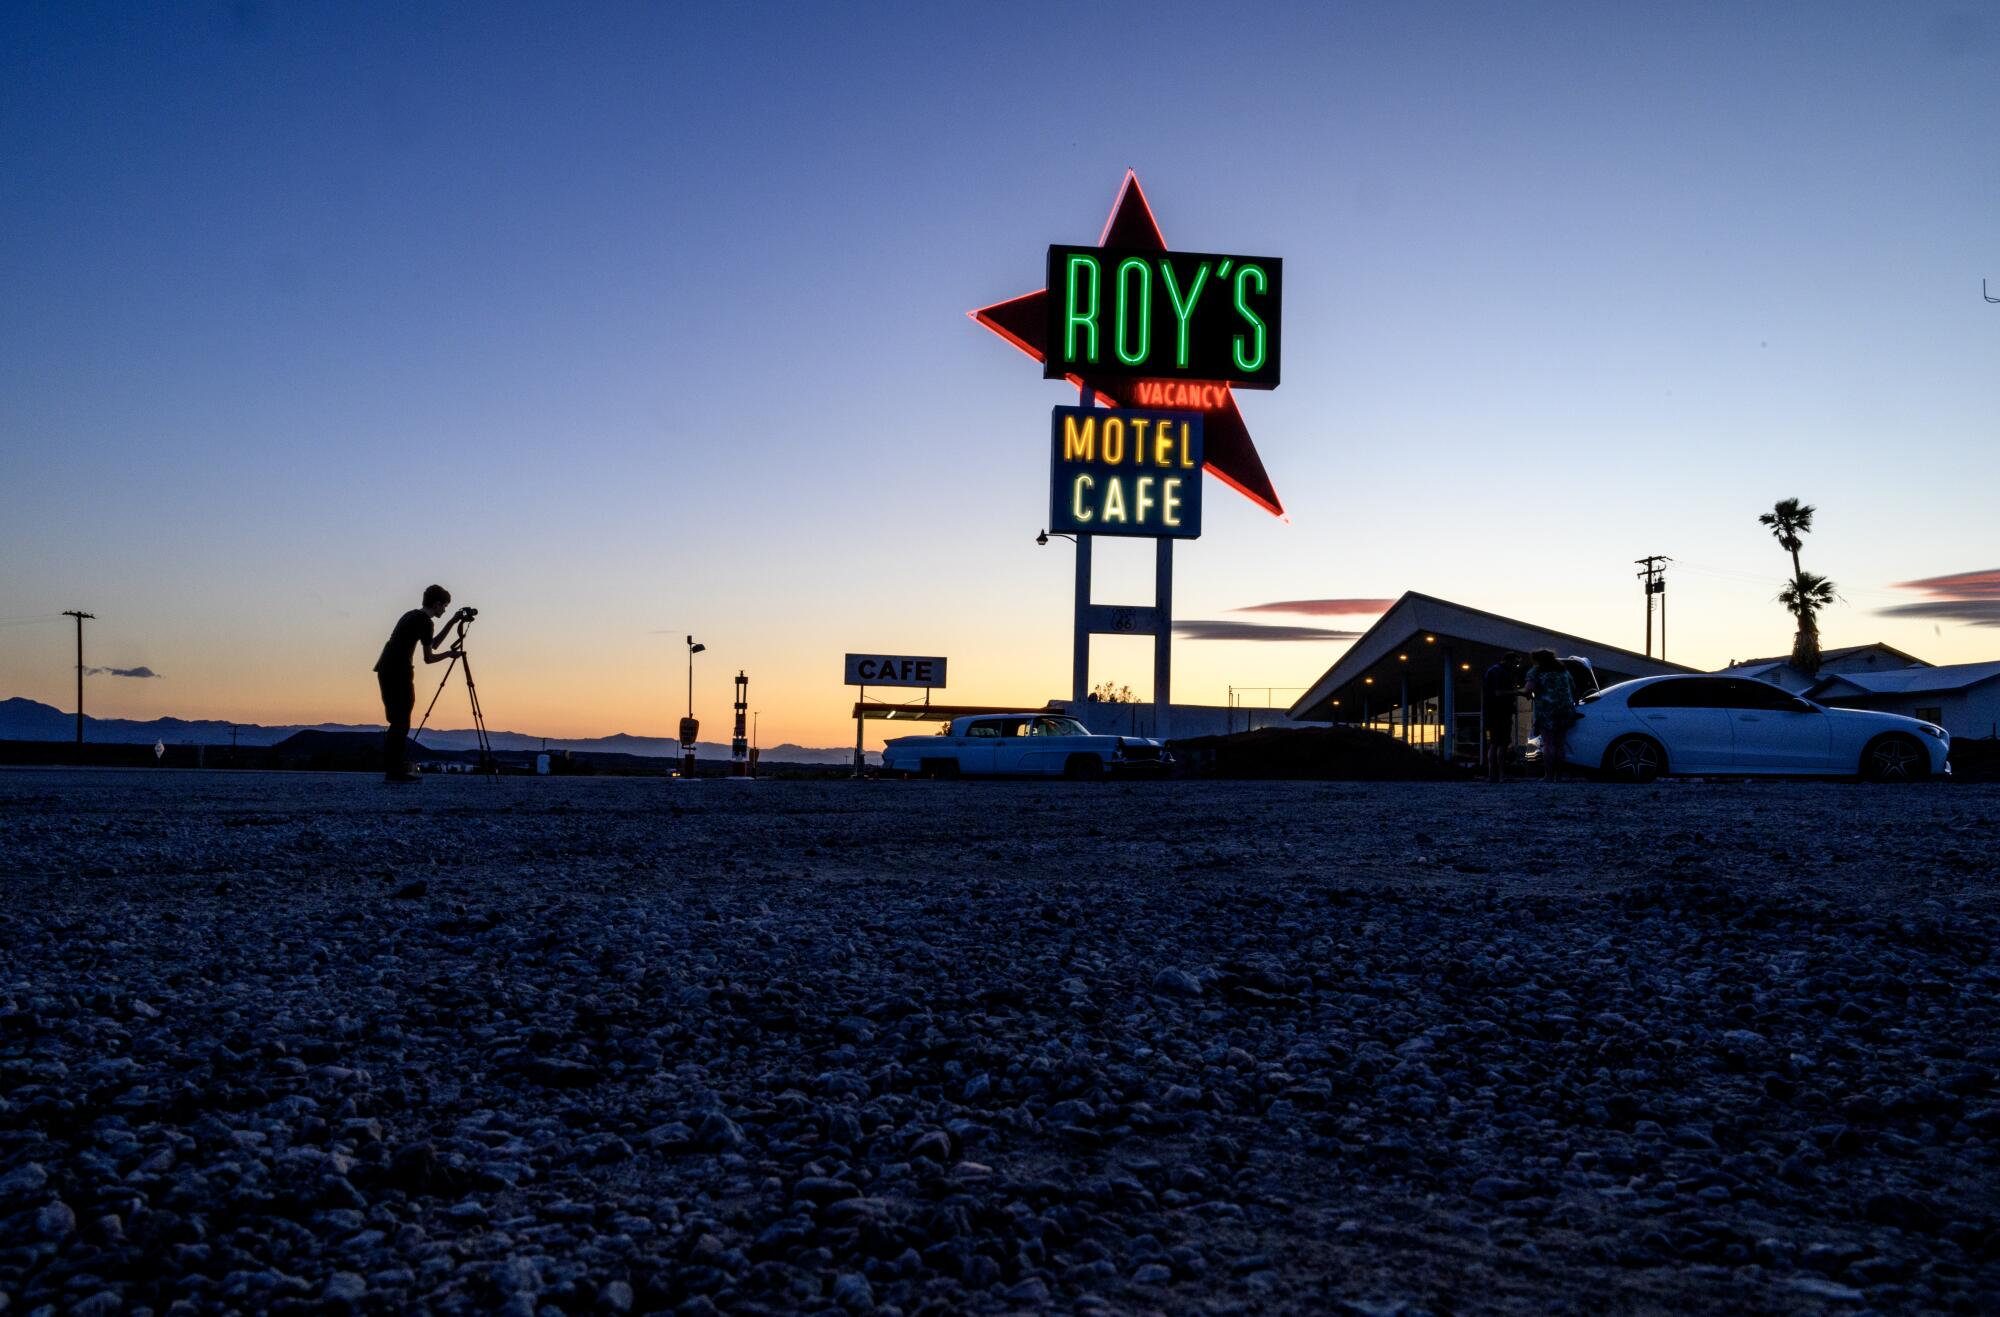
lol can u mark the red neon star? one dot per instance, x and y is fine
(1230, 456)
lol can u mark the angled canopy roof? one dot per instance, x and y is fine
(1422, 637)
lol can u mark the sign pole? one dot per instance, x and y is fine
(860, 699)
(1163, 637)
(1079, 672)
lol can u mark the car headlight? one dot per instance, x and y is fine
(1929, 730)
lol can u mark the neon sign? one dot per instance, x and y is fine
(1164, 315)
(1125, 472)
(1024, 322)
(1180, 393)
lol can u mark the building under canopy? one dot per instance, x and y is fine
(1416, 672)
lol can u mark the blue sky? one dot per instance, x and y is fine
(631, 321)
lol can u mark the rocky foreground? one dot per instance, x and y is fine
(280, 1043)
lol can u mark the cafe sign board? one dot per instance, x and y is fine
(894, 670)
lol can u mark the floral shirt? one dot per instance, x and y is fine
(1555, 700)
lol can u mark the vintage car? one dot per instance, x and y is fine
(1022, 745)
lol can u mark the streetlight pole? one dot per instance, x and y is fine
(688, 725)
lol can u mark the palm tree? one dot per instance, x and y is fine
(1790, 522)
(1803, 598)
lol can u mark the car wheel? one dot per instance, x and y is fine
(1634, 759)
(1894, 759)
(1083, 768)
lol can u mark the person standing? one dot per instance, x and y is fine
(1554, 693)
(1499, 695)
(396, 673)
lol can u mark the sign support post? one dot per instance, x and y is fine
(861, 697)
(1163, 634)
(1079, 672)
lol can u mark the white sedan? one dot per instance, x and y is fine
(1734, 726)
(1020, 745)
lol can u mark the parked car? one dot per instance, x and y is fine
(1735, 726)
(1021, 745)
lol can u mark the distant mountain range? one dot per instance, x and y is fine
(30, 720)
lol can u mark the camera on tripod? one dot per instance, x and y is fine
(463, 663)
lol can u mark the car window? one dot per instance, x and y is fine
(983, 729)
(1681, 693)
(1057, 727)
(1745, 694)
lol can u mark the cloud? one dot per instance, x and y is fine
(1972, 612)
(1323, 607)
(120, 672)
(1963, 585)
(1219, 630)
(1969, 597)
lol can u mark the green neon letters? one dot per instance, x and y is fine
(1231, 338)
(1182, 310)
(1263, 284)
(1089, 319)
(1144, 313)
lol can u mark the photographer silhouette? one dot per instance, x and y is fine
(396, 672)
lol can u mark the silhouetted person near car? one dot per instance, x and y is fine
(396, 672)
(1499, 695)
(1554, 693)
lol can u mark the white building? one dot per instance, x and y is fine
(1843, 662)
(1962, 698)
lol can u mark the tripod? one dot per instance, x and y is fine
(486, 764)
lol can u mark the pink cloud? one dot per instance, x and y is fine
(1969, 597)
(1323, 607)
(1963, 585)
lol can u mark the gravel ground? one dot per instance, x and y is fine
(296, 1042)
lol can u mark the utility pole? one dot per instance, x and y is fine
(1653, 580)
(79, 615)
